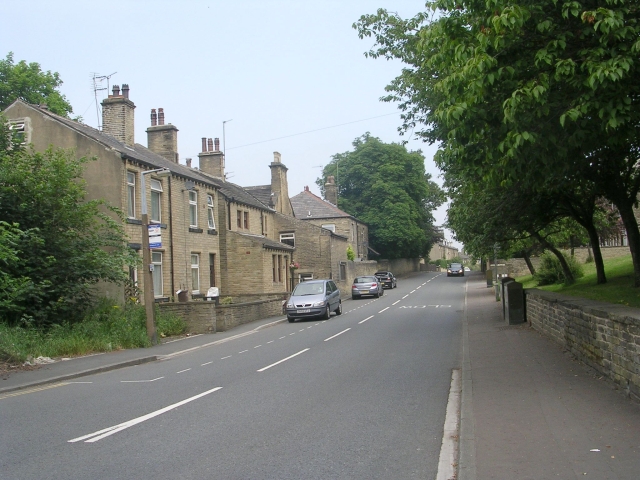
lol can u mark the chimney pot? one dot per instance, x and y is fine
(161, 116)
(276, 157)
(204, 144)
(210, 145)
(154, 117)
(189, 162)
(216, 142)
(116, 90)
(125, 90)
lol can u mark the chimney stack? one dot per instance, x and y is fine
(331, 190)
(189, 162)
(211, 159)
(162, 139)
(280, 186)
(118, 115)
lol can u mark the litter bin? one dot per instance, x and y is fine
(489, 276)
(513, 303)
(183, 295)
(213, 295)
(502, 282)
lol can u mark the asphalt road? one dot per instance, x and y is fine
(359, 396)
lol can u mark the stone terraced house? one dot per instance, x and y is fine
(214, 233)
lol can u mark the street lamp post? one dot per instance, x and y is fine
(149, 298)
(224, 141)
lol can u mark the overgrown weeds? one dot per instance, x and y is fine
(105, 328)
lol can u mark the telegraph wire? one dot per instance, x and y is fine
(311, 131)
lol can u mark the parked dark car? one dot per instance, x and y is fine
(313, 298)
(368, 285)
(455, 269)
(387, 279)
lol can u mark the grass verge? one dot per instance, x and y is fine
(106, 328)
(619, 288)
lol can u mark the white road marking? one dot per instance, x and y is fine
(301, 330)
(412, 291)
(292, 333)
(405, 296)
(257, 346)
(228, 356)
(387, 308)
(243, 351)
(283, 360)
(270, 342)
(282, 337)
(368, 318)
(182, 371)
(208, 363)
(449, 449)
(418, 287)
(79, 382)
(141, 381)
(100, 434)
(397, 301)
(334, 336)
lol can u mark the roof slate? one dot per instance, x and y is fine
(307, 205)
(142, 154)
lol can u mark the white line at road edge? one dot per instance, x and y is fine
(387, 308)
(99, 435)
(449, 449)
(397, 301)
(283, 360)
(141, 381)
(334, 336)
(368, 318)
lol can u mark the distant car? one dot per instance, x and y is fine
(455, 269)
(366, 285)
(467, 269)
(313, 298)
(387, 279)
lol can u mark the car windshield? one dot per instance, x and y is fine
(365, 280)
(308, 289)
(455, 266)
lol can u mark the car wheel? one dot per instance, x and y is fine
(378, 295)
(339, 309)
(327, 313)
(291, 320)
(353, 297)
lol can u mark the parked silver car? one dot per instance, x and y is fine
(368, 285)
(314, 298)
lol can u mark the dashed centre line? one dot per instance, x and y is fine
(182, 371)
(397, 301)
(387, 308)
(337, 334)
(368, 318)
(283, 360)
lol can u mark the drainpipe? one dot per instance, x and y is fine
(173, 265)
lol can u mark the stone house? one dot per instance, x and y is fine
(325, 213)
(214, 232)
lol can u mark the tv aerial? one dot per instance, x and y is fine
(98, 82)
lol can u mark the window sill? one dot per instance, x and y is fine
(161, 299)
(134, 221)
(212, 231)
(135, 246)
(161, 225)
(195, 230)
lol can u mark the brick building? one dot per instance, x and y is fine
(214, 232)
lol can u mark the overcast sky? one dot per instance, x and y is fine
(288, 75)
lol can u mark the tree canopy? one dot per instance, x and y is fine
(54, 244)
(538, 95)
(386, 187)
(28, 82)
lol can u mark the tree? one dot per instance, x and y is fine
(57, 244)
(535, 94)
(386, 187)
(28, 82)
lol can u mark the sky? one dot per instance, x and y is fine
(280, 75)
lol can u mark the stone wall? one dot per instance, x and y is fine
(604, 336)
(400, 266)
(207, 317)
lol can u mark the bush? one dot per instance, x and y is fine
(550, 271)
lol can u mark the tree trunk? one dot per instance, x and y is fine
(527, 260)
(568, 274)
(631, 225)
(597, 254)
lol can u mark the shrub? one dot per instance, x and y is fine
(550, 270)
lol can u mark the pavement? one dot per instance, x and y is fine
(528, 409)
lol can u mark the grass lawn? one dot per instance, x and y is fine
(618, 289)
